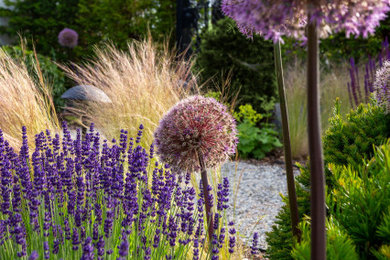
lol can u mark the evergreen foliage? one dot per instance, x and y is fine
(350, 140)
(225, 50)
(347, 143)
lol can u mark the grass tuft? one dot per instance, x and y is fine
(142, 82)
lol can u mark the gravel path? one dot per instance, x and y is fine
(256, 202)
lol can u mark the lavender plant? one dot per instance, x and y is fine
(196, 134)
(372, 65)
(68, 38)
(78, 199)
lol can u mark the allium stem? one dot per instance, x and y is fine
(206, 195)
(292, 196)
(317, 182)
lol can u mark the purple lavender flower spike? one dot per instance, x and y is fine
(68, 38)
(88, 253)
(254, 248)
(34, 255)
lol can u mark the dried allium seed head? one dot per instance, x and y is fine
(68, 38)
(196, 124)
(382, 85)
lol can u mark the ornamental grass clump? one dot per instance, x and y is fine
(196, 134)
(24, 101)
(142, 82)
(382, 85)
(91, 199)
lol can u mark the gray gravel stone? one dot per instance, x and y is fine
(255, 197)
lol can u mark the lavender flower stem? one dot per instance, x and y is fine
(206, 195)
(292, 196)
(317, 183)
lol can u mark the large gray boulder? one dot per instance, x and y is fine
(86, 93)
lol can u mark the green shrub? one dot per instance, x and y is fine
(224, 49)
(256, 138)
(95, 21)
(348, 141)
(339, 246)
(41, 21)
(54, 77)
(280, 239)
(362, 198)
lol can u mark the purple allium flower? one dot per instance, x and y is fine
(382, 85)
(196, 124)
(276, 18)
(68, 38)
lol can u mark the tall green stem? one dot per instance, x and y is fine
(292, 196)
(317, 179)
(206, 195)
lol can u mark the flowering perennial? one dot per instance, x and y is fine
(196, 125)
(382, 85)
(78, 199)
(68, 38)
(276, 18)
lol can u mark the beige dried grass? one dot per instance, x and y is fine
(24, 102)
(142, 82)
(333, 84)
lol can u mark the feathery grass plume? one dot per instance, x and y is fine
(382, 85)
(142, 83)
(68, 38)
(23, 101)
(197, 133)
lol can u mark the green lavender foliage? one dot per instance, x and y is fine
(53, 75)
(225, 50)
(338, 244)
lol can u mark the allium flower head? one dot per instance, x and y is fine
(276, 18)
(382, 85)
(196, 125)
(68, 38)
